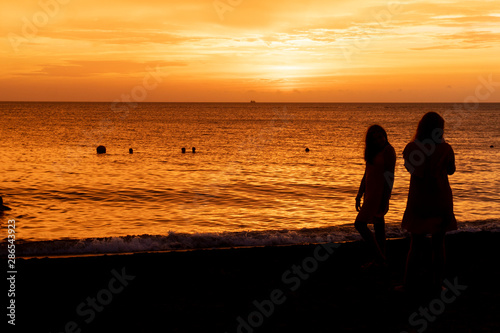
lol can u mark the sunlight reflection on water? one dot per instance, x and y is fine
(250, 170)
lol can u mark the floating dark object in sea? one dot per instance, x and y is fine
(101, 150)
(130, 151)
(307, 150)
(183, 150)
(2, 206)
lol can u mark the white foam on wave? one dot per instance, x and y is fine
(491, 225)
(184, 241)
(169, 242)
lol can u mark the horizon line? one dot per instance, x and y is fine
(205, 102)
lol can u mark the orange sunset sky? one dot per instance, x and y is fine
(235, 51)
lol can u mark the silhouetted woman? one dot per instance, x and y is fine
(376, 187)
(429, 209)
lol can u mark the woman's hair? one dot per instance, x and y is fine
(371, 147)
(431, 126)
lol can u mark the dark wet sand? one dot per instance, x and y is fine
(208, 290)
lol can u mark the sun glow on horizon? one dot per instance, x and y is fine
(319, 50)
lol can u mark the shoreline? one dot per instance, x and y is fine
(176, 241)
(216, 290)
(152, 252)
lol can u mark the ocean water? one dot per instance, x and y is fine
(250, 181)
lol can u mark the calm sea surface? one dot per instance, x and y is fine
(250, 171)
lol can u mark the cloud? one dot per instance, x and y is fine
(122, 36)
(82, 68)
(260, 44)
(464, 40)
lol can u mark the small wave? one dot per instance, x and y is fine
(171, 241)
(183, 241)
(491, 225)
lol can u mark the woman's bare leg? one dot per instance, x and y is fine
(379, 227)
(414, 261)
(365, 232)
(438, 259)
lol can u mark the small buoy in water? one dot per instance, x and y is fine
(193, 149)
(491, 146)
(307, 150)
(183, 150)
(101, 150)
(130, 151)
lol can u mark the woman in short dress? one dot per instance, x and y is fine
(375, 188)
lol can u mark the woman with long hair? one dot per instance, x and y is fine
(429, 208)
(375, 188)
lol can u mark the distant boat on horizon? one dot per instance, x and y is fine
(252, 101)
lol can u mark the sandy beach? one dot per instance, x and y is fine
(306, 288)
